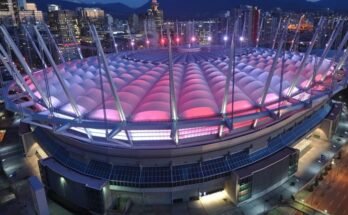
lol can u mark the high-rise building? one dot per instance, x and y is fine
(30, 6)
(92, 14)
(22, 4)
(154, 22)
(53, 7)
(249, 23)
(95, 16)
(156, 14)
(268, 31)
(136, 23)
(66, 31)
(9, 12)
(30, 14)
(60, 21)
(109, 20)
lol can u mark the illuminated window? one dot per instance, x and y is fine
(2, 135)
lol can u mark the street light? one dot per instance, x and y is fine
(193, 39)
(225, 39)
(62, 181)
(178, 40)
(241, 39)
(132, 43)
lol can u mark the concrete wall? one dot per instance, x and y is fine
(69, 190)
(38, 196)
(231, 187)
(263, 178)
(267, 177)
(324, 130)
(29, 144)
(76, 193)
(327, 128)
(168, 195)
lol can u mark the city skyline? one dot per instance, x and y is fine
(205, 9)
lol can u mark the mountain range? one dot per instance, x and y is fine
(200, 8)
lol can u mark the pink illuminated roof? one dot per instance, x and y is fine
(143, 86)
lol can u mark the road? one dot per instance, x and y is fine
(331, 194)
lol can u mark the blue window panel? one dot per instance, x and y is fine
(125, 174)
(77, 165)
(187, 172)
(62, 155)
(99, 169)
(214, 167)
(156, 175)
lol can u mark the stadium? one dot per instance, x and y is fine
(160, 128)
(199, 82)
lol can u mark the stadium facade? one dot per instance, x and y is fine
(158, 130)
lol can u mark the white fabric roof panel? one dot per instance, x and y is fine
(143, 87)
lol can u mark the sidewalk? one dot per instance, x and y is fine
(299, 181)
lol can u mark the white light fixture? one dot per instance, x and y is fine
(62, 180)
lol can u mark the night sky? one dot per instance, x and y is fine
(129, 3)
(139, 3)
